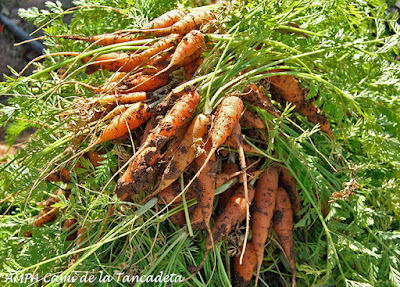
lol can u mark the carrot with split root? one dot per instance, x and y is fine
(264, 204)
(133, 117)
(191, 21)
(283, 227)
(244, 269)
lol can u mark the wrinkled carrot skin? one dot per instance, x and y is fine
(250, 119)
(192, 21)
(242, 273)
(186, 151)
(283, 227)
(204, 185)
(145, 83)
(124, 62)
(190, 69)
(166, 20)
(233, 214)
(288, 182)
(253, 95)
(133, 117)
(286, 88)
(128, 98)
(263, 210)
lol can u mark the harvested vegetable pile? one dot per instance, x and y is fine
(232, 144)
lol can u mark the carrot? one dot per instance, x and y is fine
(228, 169)
(286, 88)
(252, 120)
(156, 64)
(283, 227)
(253, 95)
(68, 225)
(157, 138)
(48, 213)
(124, 62)
(191, 68)
(172, 192)
(133, 117)
(190, 45)
(145, 83)
(95, 158)
(246, 147)
(195, 216)
(166, 20)
(264, 204)
(243, 272)
(204, 185)
(192, 21)
(103, 39)
(288, 182)
(178, 218)
(233, 214)
(186, 152)
(128, 98)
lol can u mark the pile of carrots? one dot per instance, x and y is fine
(179, 143)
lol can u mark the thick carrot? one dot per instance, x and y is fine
(144, 83)
(264, 204)
(129, 98)
(233, 214)
(191, 68)
(250, 119)
(167, 127)
(192, 21)
(172, 192)
(165, 20)
(253, 95)
(186, 152)
(243, 272)
(288, 182)
(124, 62)
(204, 185)
(133, 117)
(286, 88)
(156, 64)
(283, 227)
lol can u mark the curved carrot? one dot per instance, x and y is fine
(243, 272)
(283, 227)
(264, 204)
(133, 117)
(192, 21)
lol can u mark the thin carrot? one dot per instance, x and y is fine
(283, 227)
(48, 213)
(103, 39)
(243, 271)
(124, 62)
(264, 204)
(133, 117)
(128, 98)
(117, 111)
(192, 21)
(288, 182)
(186, 152)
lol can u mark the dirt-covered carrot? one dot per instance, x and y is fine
(124, 62)
(242, 273)
(165, 20)
(288, 182)
(246, 147)
(228, 169)
(128, 98)
(191, 68)
(253, 95)
(156, 64)
(263, 210)
(204, 185)
(157, 138)
(144, 83)
(95, 158)
(172, 192)
(192, 21)
(68, 225)
(233, 214)
(186, 151)
(283, 227)
(250, 119)
(133, 117)
(286, 88)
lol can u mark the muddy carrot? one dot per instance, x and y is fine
(288, 182)
(243, 272)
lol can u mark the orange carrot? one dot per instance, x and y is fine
(69, 226)
(133, 117)
(191, 68)
(172, 192)
(156, 64)
(192, 21)
(128, 98)
(252, 120)
(124, 62)
(253, 95)
(186, 152)
(104, 39)
(145, 83)
(166, 20)
(204, 185)
(48, 213)
(264, 204)
(95, 158)
(228, 169)
(283, 227)
(242, 273)
(288, 182)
